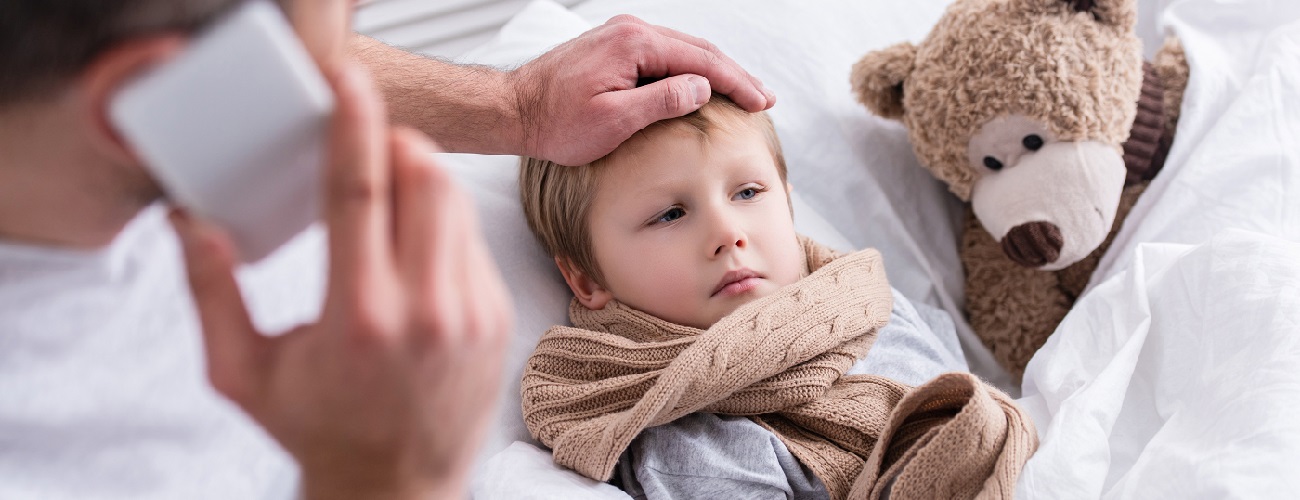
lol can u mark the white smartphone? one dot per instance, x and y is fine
(234, 128)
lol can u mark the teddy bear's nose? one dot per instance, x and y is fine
(1033, 244)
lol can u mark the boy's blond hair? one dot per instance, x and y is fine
(557, 198)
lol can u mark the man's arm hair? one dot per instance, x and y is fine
(465, 108)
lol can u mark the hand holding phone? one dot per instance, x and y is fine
(404, 365)
(234, 128)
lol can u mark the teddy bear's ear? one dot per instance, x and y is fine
(878, 79)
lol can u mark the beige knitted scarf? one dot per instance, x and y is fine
(589, 390)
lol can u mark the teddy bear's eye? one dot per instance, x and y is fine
(992, 163)
(1032, 142)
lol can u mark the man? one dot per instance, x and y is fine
(385, 394)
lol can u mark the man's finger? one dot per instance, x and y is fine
(421, 193)
(768, 95)
(357, 202)
(671, 56)
(491, 300)
(429, 251)
(320, 25)
(661, 100)
(231, 343)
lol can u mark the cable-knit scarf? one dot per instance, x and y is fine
(589, 390)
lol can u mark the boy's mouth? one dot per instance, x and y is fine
(737, 282)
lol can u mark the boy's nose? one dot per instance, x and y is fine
(728, 235)
(740, 243)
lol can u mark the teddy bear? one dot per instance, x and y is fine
(1043, 116)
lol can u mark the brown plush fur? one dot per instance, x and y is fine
(1080, 73)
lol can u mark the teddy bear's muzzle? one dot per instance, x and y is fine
(1052, 207)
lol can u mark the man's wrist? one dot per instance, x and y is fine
(465, 108)
(525, 94)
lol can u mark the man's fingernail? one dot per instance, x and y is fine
(701, 88)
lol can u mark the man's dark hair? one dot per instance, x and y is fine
(44, 43)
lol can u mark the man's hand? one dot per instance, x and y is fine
(573, 104)
(388, 395)
(580, 100)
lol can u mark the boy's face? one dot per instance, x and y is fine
(688, 229)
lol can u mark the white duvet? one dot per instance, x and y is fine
(1177, 375)
(1179, 378)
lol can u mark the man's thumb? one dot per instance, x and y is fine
(229, 338)
(668, 98)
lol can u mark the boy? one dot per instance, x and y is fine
(666, 240)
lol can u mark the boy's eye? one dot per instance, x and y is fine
(749, 193)
(671, 215)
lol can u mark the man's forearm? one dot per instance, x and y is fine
(466, 109)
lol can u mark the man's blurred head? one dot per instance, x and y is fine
(51, 50)
(66, 175)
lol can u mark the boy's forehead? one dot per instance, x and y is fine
(701, 131)
(675, 153)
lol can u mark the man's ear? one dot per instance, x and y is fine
(589, 293)
(108, 74)
(878, 79)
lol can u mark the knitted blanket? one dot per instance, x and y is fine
(589, 390)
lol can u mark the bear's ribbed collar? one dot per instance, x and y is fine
(1149, 140)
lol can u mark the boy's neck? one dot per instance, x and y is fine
(56, 188)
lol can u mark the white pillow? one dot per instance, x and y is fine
(857, 182)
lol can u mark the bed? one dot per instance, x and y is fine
(1176, 375)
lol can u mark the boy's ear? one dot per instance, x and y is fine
(589, 293)
(878, 79)
(109, 73)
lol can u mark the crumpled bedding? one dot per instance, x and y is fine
(1178, 374)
